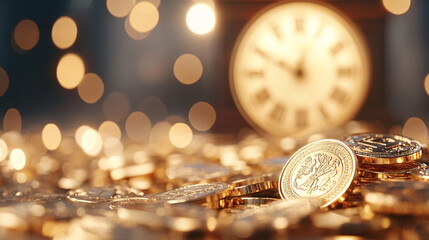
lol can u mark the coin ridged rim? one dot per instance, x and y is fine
(251, 185)
(341, 190)
(381, 158)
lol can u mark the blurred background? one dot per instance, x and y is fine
(136, 63)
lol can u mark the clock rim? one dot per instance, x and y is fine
(356, 31)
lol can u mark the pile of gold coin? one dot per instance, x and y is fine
(363, 186)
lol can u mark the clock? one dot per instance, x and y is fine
(299, 68)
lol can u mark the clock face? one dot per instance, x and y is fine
(299, 68)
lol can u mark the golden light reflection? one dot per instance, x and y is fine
(188, 69)
(90, 141)
(159, 139)
(116, 106)
(112, 147)
(91, 88)
(120, 8)
(12, 120)
(416, 128)
(202, 116)
(17, 159)
(3, 150)
(26, 34)
(132, 32)
(200, 18)
(144, 16)
(426, 83)
(138, 126)
(64, 32)
(397, 7)
(70, 71)
(79, 133)
(109, 129)
(51, 136)
(180, 135)
(4, 81)
(154, 108)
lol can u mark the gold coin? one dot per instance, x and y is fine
(421, 174)
(378, 148)
(324, 169)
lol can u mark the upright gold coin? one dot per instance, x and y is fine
(378, 148)
(325, 169)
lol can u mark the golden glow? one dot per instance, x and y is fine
(3, 150)
(70, 71)
(64, 32)
(12, 120)
(416, 128)
(120, 8)
(397, 7)
(91, 88)
(180, 135)
(89, 140)
(51, 136)
(188, 69)
(426, 83)
(202, 116)
(132, 32)
(112, 147)
(4, 81)
(17, 159)
(137, 126)
(116, 106)
(159, 140)
(144, 16)
(200, 18)
(109, 129)
(26, 34)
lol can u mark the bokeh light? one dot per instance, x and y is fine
(91, 88)
(109, 129)
(70, 71)
(159, 138)
(144, 16)
(26, 34)
(64, 32)
(3, 150)
(4, 81)
(154, 108)
(180, 135)
(12, 120)
(200, 18)
(202, 116)
(116, 106)
(188, 69)
(119, 8)
(415, 128)
(426, 84)
(138, 126)
(112, 147)
(397, 7)
(51, 136)
(132, 32)
(89, 140)
(17, 159)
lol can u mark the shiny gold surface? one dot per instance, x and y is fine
(377, 148)
(299, 68)
(325, 169)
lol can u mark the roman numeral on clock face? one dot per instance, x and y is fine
(338, 95)
(278, 112)
(262, 96)
(301, 118)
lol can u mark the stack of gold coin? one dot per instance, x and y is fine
(385, 156)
